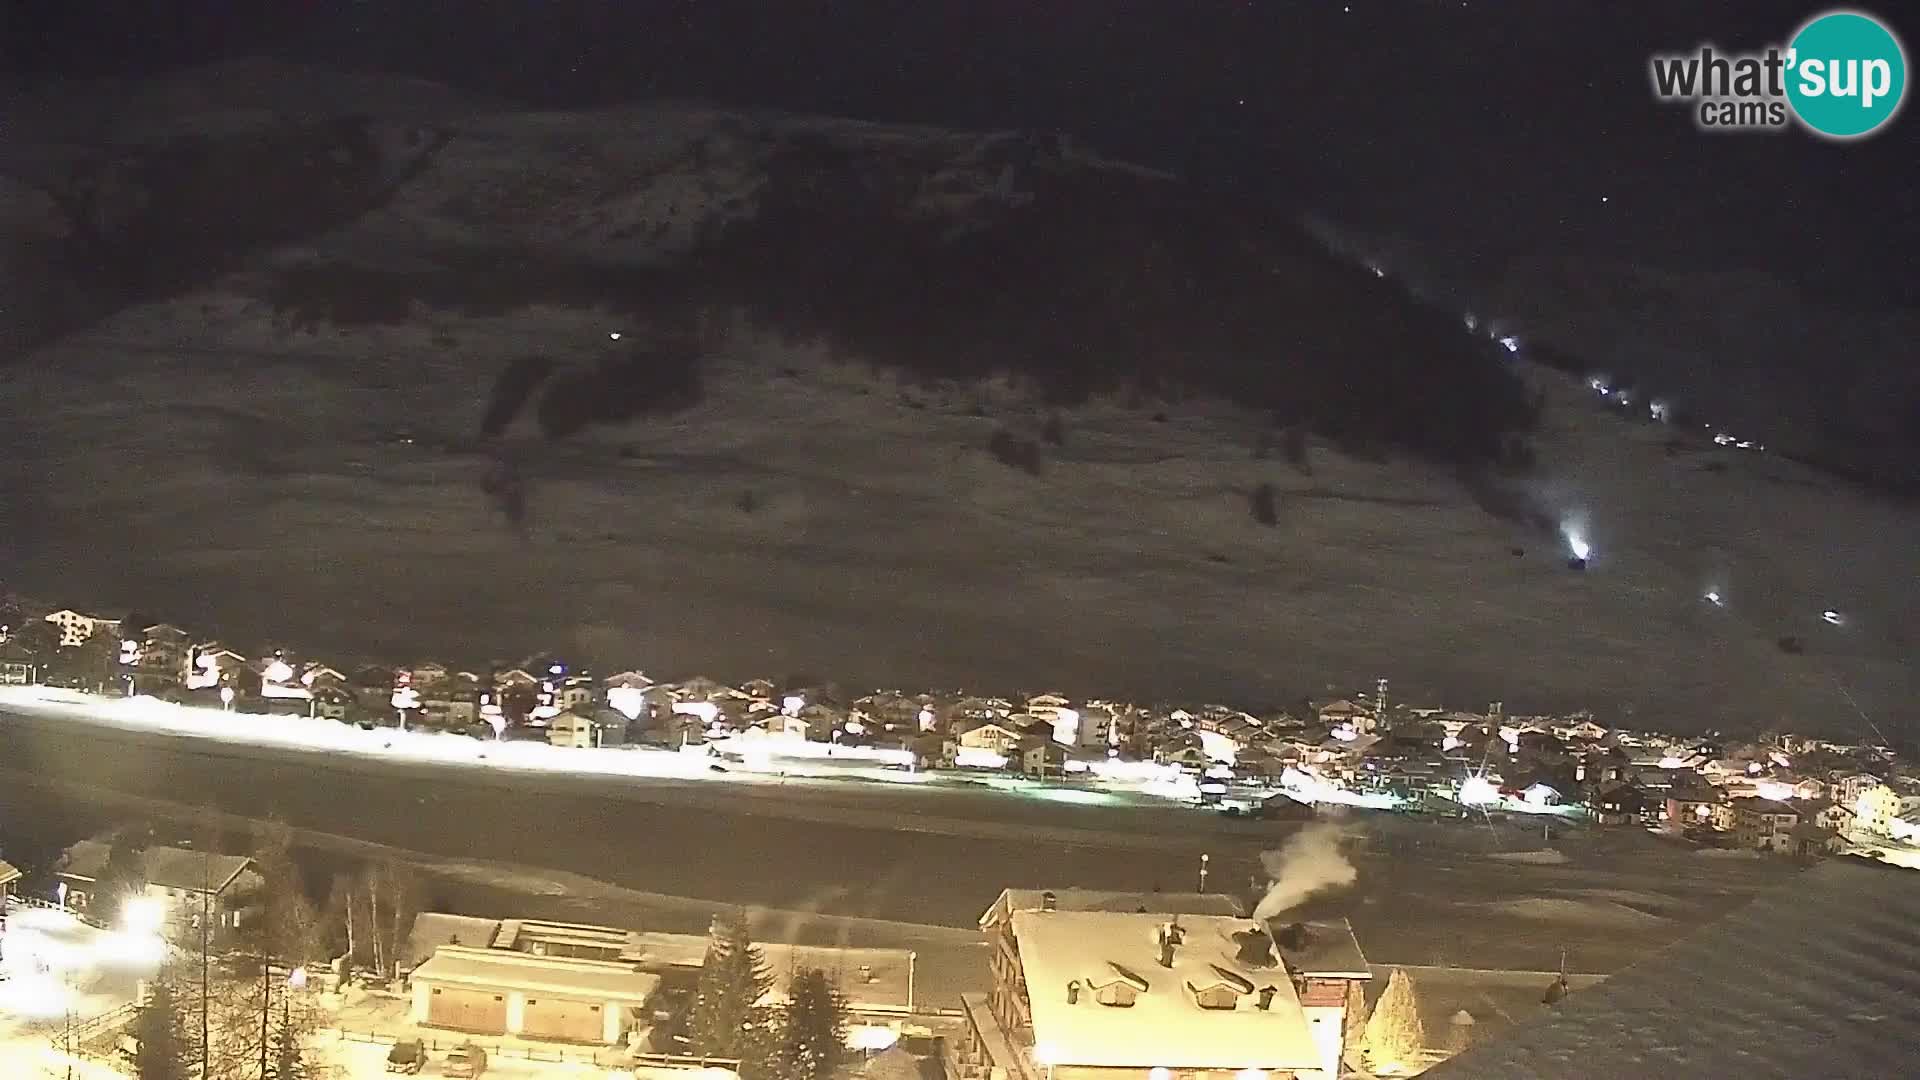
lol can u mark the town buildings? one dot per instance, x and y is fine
(185, 882)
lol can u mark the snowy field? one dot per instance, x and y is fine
(202, 459)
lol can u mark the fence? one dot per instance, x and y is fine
(36, 902)
(79, 1040)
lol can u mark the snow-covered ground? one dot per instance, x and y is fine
(198, 468)
(200, 459)
(60, 975)
(761, 762)
(367, 1060)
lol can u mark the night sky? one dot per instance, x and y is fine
(1478, 130)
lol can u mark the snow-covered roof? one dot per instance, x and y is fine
(873, 980)
(1325, 948)
(1165, 1025)
(167, 867)
(504, 969)
(432, 929)
(1162, 903)
(1816, 978)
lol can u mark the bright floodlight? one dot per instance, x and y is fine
(629, 701)
(1714, 598)
(278, 671)
(1833, 617)
(1510, 343)
(872, 1038)
(1577, 544)
(226, 695)
(142, 914)
(1477, 791)
(613, 335)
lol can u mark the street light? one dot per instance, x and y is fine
(226, 698)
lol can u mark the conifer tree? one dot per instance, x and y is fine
(813, 1029)
(728, 1018)
(1395, 1035)
(161, 1055)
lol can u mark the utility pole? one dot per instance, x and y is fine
(206, 886)
(1203, 872)
(266, 1000)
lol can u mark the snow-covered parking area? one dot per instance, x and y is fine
(350, 1060)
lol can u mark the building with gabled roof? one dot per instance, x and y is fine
(182, 879)
(1098, 985)
(76, 627)
(1098, 995)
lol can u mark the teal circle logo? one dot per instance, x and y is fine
(1846, 74)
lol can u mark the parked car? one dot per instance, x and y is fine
(407, 1056)
(465, 1061)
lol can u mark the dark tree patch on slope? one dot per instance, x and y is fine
(511, 391)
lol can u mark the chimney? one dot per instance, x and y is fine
(1266, 997)
(1255, 949)
(1073, 992)
(1292, 936)
(1049, 902)
(1168, 939)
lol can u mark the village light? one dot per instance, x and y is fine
(1250, 1074)
(1477, 791)
(927, 720)
(226, 697)
(141, 914)
(1714, 598)
(1510, 343)
(792, 704)
(628, 701)
(1833, 618)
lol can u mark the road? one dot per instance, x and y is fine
(1426, 893)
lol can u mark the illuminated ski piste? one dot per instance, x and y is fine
(744, 759)
(732, 760)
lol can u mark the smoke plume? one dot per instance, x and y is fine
(1309, 863)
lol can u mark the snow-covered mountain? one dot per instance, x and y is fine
(1825, 379)
(768, 393)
